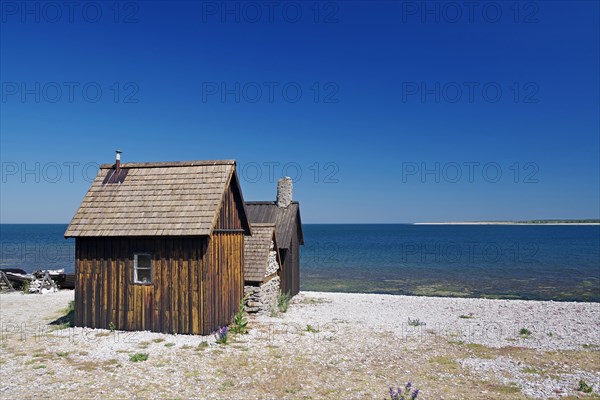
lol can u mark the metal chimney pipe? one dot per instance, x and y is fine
(118, 162)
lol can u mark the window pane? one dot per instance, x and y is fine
(143, 261)
(142, 268)
(144, 275)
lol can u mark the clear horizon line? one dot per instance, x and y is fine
(548, 221)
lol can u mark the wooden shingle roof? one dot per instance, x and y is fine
(256, 251)
(154, 199)
(286, 220)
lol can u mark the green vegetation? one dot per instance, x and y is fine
(158, 340)
(25, 287)
(443, 360)
(240, 322)
(170, 344)
(415, 322)
(584, 387)
(468, 316)
(283, 301)
(560, 221)
(228, 384)
(311, 329)
(138, 357)
(112, 326)
(525, 333)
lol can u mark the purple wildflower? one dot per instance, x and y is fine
(221, 334)
(408, 386)
(415, 394)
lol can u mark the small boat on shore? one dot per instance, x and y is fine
(51, 277)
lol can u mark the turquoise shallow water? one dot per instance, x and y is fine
(527, 262)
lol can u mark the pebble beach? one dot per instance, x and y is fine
(327, 345)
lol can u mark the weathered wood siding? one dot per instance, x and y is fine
(223, 279)
(197, 282)
(230, 212)
(105, 291)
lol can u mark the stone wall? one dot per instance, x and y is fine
(262, 299)
(272, 265)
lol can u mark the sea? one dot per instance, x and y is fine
(531, 262)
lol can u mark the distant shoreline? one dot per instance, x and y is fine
(507, 223)
(383, 223)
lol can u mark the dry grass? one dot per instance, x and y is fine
(354, 363)
(323, 369)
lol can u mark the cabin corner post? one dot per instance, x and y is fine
(77, 313)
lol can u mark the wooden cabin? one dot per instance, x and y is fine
(261, 266)
(285, 214)
(160, 247)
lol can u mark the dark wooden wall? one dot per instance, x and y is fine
(223, 280)
(230, 213)
(295, 251)
(290, 268)
(197, 282)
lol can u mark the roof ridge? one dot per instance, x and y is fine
(164, 164)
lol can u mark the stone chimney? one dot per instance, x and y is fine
(284, 192)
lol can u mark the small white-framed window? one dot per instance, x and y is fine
(142, 268)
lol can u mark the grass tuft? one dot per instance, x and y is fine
(415, 322)
(283, 301)
(584, 387)
(138, 357)
(525, 333)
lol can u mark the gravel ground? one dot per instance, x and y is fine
(327, 345)
(494, 323)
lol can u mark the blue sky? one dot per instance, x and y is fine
(384, 111)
